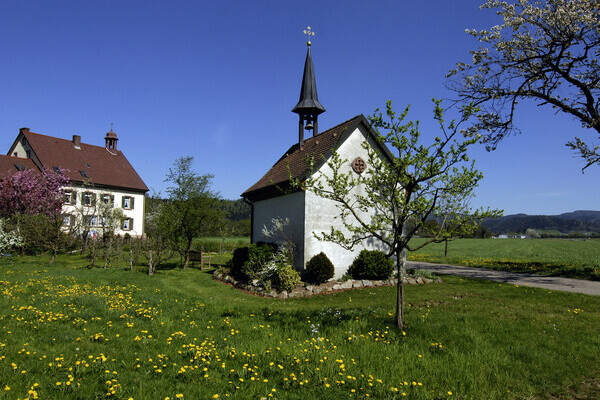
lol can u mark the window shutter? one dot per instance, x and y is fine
(123, 202)
(71, 220)
(131, 221)
(74, 197)
(93, 199)
(112, 200)
(131, 202)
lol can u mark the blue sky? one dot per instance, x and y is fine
(217, 81)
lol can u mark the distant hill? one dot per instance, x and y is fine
(580, 221)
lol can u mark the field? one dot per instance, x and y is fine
(576, 258)
(67, 332)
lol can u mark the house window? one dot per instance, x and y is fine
(127, 203)
(66, 220)
(94, 221)
(127, 224)
(88, 199)
(107, 199)
(68, 194)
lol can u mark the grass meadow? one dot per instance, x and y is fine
(572, 258)
(67, 332)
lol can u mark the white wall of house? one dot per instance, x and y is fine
(132, 204)
(323, 214)
(289, 206)
(309, 213)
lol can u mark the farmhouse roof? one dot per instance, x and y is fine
(82, 162)
(10, 165)
(294, 160)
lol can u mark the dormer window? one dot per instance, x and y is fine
(57, 170)
(83, 173)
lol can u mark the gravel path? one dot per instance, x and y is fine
(546, 282)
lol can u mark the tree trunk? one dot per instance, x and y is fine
(130, 255)
(401, 267)
(186, 259)
(53, 256)
(446, 248)
(150, 264)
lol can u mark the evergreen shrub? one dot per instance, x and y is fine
(372, 265)
(319, 269)
(249, 262)
(285, 278)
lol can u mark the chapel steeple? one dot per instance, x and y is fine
(308, 107)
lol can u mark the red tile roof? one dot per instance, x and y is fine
(102, 166)
(294, 161)
(9, 165)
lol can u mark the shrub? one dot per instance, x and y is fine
(319, 269)
(285, 277)
(248, 263)
(371, 264)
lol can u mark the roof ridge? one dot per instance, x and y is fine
(66, 140)
(334, 127)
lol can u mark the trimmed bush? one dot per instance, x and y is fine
(249, 262)
(319, 269)
(372, 265)
(286, 278)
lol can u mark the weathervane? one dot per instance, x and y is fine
(309, 33)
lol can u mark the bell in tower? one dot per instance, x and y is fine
(308, 107)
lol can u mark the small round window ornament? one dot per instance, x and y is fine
(359, 165)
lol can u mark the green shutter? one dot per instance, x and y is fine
(74, 197)
(123, 202)
(112, 200)
(131, 202)
(71, 220)
(93, 199)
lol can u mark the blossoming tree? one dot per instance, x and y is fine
(547, 52)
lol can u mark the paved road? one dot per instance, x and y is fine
(546, 282)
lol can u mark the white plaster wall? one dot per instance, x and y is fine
(322, 214)
(137, 213)
(289, 206)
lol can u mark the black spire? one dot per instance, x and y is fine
(308, 107)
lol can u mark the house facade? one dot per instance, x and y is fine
(309, 214)
(101, 178)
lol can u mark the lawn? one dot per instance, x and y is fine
(67, 332)
(573, 258)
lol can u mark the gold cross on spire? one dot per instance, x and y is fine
(309, 33)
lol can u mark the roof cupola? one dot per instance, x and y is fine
(308, 107)
(110, 140)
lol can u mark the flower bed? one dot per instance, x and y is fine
(304, 289)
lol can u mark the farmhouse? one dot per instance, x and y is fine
(273, 197)
(96, 174)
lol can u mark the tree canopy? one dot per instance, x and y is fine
(393, 199)
(192, 208)
(547, 52)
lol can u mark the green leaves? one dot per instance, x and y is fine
(393, 198)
